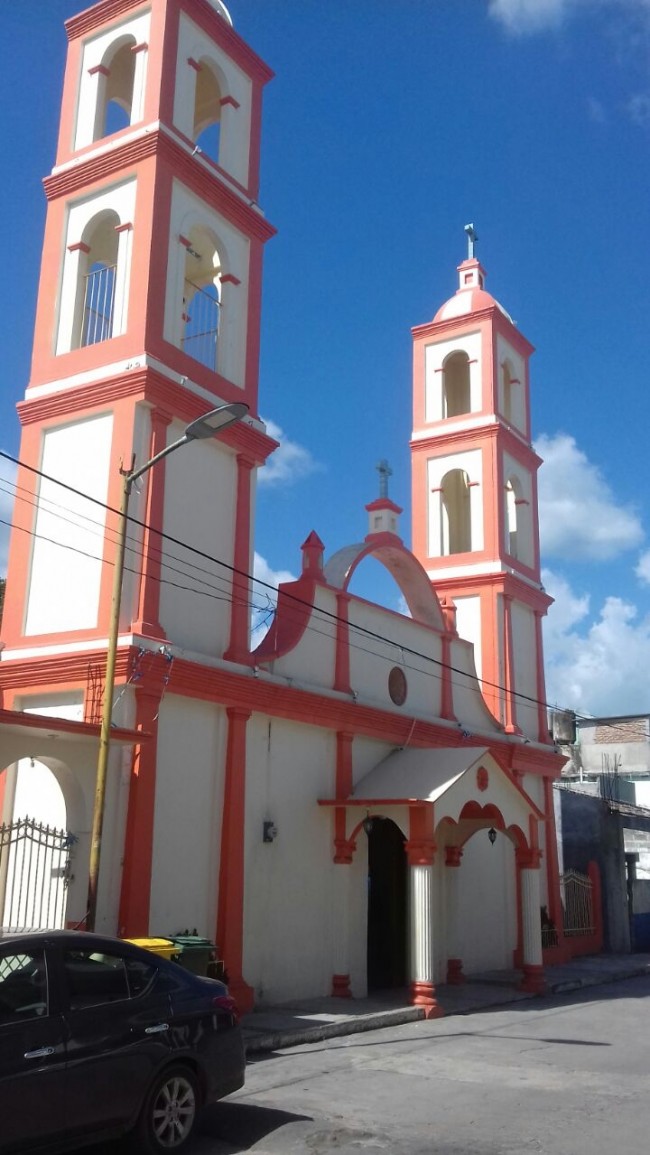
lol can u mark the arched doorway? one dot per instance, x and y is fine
(35, 848)
(387, 906)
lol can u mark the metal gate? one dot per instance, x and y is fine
(577, 896)
(35, 863)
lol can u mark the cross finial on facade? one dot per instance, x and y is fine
(384, 470)
(472, 238)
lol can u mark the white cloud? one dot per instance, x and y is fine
(265, 599)
(603, 670)
(579, 516)
(526, 16)
(638, 108)
(642, 570)
(7, 489)
(289, 463)
(596, 110)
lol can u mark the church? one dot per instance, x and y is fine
(363, 799)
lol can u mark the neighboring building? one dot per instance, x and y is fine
(610, 757)
(366, 799)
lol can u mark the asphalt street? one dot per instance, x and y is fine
(562, 1076)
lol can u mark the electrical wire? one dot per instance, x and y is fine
(528, 699)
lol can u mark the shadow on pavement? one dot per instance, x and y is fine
(242, 1125)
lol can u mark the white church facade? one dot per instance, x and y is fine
(363, 800)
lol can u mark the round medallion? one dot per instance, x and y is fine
(482, 778)
(397, 687)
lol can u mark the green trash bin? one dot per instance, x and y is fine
(194, 952)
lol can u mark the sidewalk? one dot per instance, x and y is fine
(316, 1019)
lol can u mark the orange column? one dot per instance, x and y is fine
(511, 726)
(138, 848)
(230, 918)
(148, 609)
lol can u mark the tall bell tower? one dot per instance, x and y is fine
(148, 316)
(474, 470)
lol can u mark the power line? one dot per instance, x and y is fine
(325, 614)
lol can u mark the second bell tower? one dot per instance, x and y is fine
(475, 520)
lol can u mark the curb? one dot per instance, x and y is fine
(275, 1040)
(259, 1042)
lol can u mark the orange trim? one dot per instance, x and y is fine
(343, 764)
(147, 619)
(230, 918)
(423, 994)
(341, 987)
(138, 849)
(127, 155)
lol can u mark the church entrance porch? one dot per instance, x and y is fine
(456, 888)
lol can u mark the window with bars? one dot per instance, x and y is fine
(98, 304)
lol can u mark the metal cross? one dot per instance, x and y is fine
(472, 238)
(384, 470)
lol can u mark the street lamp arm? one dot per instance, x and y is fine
(134, 474)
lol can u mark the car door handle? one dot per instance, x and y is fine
(157, 1029)
(41, 1053)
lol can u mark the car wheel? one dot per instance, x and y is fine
(169, 1113)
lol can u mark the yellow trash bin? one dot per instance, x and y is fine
(161, 946)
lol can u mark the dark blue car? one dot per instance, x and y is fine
(99, 1037)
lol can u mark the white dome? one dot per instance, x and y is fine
(469, 301)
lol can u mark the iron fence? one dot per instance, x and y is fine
(35, 864)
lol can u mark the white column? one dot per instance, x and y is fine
(139, 82)
(423, 991)
(122, 279)
(531, 925)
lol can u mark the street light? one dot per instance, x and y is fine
(209, 425)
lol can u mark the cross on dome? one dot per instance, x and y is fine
(472, 237)
(384, 470)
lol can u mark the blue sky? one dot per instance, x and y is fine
(390, 124)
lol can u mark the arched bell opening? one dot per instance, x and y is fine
(115, 94)
(387, 960)
(456, 521)
(202, 298)
(95, 299)
(456, 385)
(207, 111)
